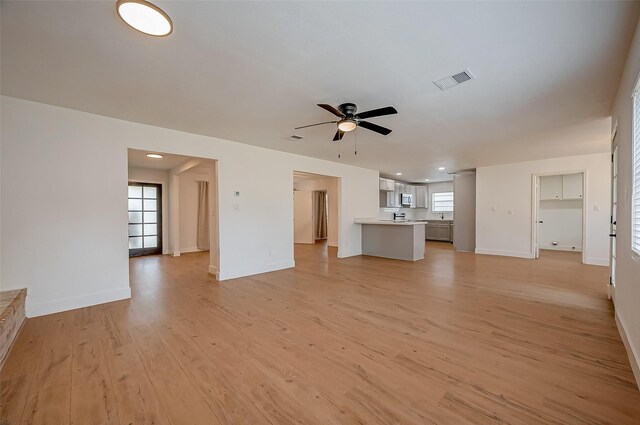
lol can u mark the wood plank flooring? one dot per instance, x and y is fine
(454, 339)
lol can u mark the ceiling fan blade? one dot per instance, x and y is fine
(338, 135)
(374, 127)
(331, 109)
(388, 110)
(312, 125)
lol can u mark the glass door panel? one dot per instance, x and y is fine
(145, 219)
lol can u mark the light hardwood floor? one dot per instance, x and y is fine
(453, 339)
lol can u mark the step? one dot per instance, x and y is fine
(11, 319)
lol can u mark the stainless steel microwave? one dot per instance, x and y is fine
(406, 198)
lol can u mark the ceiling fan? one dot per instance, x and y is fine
(350, 119)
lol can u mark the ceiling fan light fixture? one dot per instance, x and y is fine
(145, 17)
(347, 125)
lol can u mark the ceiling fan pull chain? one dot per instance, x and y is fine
(339, 145)
(355, 151)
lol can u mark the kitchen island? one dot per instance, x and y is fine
(400, 240)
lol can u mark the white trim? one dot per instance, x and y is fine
(632, 353)
(343, 254)
(518, 254)
(567, 248)
(72, 303)
(191, 249)
(249, 271)
(597, 261)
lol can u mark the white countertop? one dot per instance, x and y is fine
(388, 222)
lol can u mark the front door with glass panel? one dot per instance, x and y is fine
(145, 219)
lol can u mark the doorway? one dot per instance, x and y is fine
(145, 219)
(559, 215)
(185, 207)
(316, 212)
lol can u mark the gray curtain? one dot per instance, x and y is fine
(321, 214)
(203, 215)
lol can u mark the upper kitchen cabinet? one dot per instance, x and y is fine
(550, 187)
(572, 186)
(422, 197)
(568, 186)
(387, 185)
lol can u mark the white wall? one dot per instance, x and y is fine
(331, 185)
(188, 203)
(64, 202)
(627, 290)
(561, 223)
(504, 205)
(149, 175)
(303, 216)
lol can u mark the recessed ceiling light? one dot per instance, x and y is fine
(155, 155)
(145, 17)
(426, 180)
(441, 168)
(398, 174)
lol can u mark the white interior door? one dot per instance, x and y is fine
(614, 213)
(536, 218)
(303, 229)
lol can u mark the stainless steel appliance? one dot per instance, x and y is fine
(406, 199)
(399, 217)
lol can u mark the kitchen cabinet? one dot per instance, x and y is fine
(568, 186)
(411, 190)
(387, 185)
(422, 197)
(439, 231)
(572, 186)
(550, 187)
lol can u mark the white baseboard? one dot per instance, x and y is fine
(72, 303)
(568, 248)
(518, 254)
(176, 253)
(634, 356)
(344, 254)
(597, 261)
(214, 271)
(192, 249)
(249, 271)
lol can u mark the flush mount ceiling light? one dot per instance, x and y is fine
(441, 168)
(347, 125)
(426, 180)
(145, 17)
(398, 174)
(155, 155)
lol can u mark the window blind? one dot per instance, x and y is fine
(442, 202)
(635, 201)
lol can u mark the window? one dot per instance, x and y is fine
(145, 225)
(635, 204)
(442, 202)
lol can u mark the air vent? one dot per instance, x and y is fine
(454, 80)
(295, 137)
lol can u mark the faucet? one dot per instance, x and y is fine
(442, 216)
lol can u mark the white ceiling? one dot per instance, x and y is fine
(138, 158)
(251, 71)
